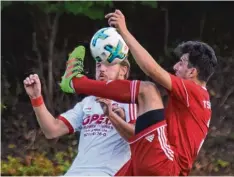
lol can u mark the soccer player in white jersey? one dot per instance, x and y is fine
(104, 125)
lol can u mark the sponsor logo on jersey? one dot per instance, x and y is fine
(96, 119)
(87, 109)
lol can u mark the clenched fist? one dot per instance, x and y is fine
(32, 86)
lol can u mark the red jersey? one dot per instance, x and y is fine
(188, 115)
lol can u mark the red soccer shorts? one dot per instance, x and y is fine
(151, 154)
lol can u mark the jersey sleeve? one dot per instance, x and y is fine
(131, 113)
(73, 118)
(181, 89)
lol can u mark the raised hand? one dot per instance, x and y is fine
(32, 86)
(119, 111)
(109, 110)
(106, 106)
(116, 19)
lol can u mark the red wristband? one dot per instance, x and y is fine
(37, 101)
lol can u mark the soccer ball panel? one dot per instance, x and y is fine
(108, 46)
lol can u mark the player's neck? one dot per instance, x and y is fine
(199, 82)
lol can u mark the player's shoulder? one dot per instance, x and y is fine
(88, 99)
(120, 104)
(185, 82)
(195, 89)
(85, 101)
(180, 80)
(189, 85)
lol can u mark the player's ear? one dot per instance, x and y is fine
(123, 70)
(193, 73)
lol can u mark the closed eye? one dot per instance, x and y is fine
(98, 65)
(181, 62)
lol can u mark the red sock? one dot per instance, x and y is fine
(123, 91)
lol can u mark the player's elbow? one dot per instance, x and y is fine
(130, 133)
(128, 136)
(52, 134)
(56, 130)
(49, 136)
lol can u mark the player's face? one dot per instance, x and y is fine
(104, 72)
(181, 68)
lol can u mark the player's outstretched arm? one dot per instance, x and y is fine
(142, 57)
(117, 117)
(51, 127)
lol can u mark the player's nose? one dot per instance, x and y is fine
(175, 67)
(103, 68)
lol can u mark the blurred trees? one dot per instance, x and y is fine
(45, 18)
(37, 37)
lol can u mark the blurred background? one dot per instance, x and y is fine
(37, 37)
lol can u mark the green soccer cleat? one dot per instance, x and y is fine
(74, 68)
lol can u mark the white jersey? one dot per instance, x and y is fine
(101, 149)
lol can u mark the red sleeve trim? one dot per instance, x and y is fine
(132, 122)
(67, 123)
(132, 113)
(134, 87)
(129, 111)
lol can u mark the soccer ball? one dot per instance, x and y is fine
(107, 46)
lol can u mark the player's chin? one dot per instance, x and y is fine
(181, 76)
(177, 74)
(102, 79)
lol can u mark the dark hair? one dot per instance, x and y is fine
(201, 56)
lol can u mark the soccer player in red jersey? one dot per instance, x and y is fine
(166, 141)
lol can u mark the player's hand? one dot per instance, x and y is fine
(120, 112)
(116, 19)
(106, 105)
(32, 86)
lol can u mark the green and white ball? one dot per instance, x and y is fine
(107, 46)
